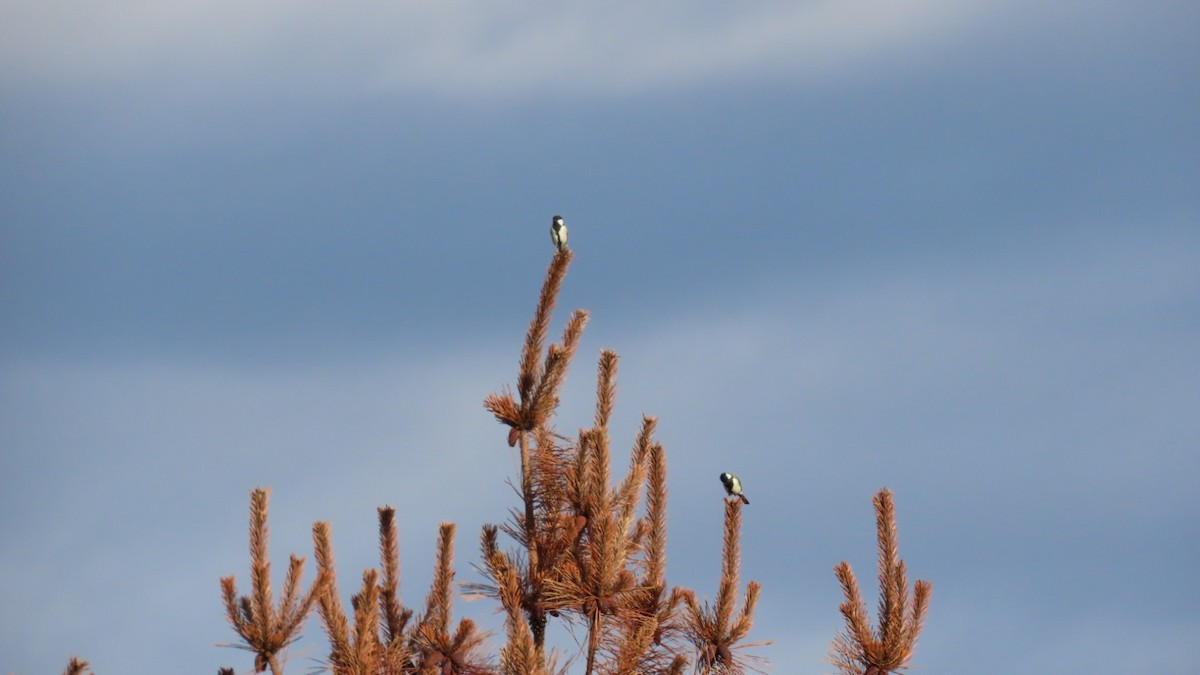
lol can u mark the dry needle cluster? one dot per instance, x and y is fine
(267, 629)
(77, 666)
(585, 548)
(861, 650)
(586, 552)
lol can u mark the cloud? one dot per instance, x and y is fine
(461, 48)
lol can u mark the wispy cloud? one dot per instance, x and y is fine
(463, 48)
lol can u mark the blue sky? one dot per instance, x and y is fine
(951, 248)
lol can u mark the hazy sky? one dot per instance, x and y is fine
(947, 247)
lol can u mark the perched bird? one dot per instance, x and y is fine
(733, 486)
(558, 233)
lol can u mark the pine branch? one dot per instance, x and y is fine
(437, 603)
(730, 562)
(260, 565)
(889, 648)
(395, 616)
(77, 666)
(656, 504)
(606, 387)
(853, 609)
(329, 604)
(716, 635)
(558, 358)
(436, 649)
(367, 648)
(265, 629)
(530, 371)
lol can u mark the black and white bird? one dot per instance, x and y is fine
(733, 486)
(558, 233)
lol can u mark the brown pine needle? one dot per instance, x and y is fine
(366, 621)
(434, 645)
(854, 610)
(329, 604)
(730, 561)
(713, 630)
(860, 650)
(606, 387)
(395, 616)
(437, 603)
(507, 411)
(656, 505)
(76, 666)
(558, 358)
(535, 339)
(264, 628)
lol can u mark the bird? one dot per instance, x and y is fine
(733, 486)
(558, 233)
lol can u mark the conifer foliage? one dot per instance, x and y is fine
(267, 629)
(581, 547)
(77, 666)
(585, 550)
(861, 650)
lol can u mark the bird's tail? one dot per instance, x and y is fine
(744, 500)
